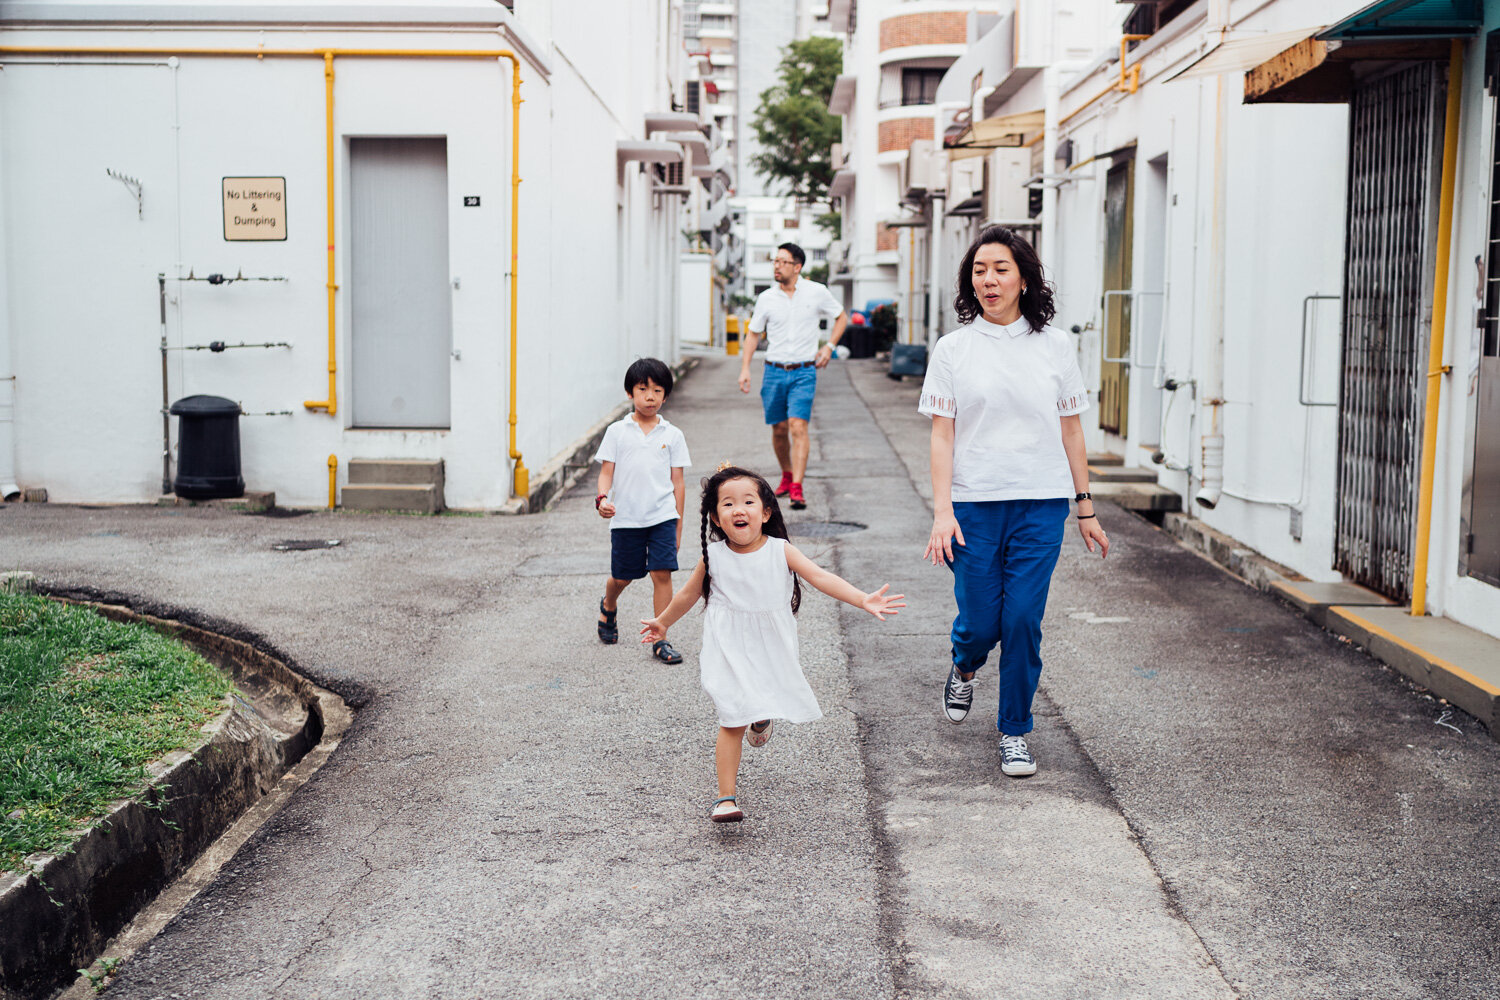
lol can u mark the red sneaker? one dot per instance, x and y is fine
(799, 502)
(786, 484)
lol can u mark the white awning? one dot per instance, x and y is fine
(842, 184)
(670, 121)
(994, 133)
(1239, 54)
(842, 99)
(647, 151)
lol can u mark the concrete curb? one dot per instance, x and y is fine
(1431, 654)
(558, 475)
(72, 904)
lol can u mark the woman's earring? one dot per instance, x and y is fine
(1023, 289)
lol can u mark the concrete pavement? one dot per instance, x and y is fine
(1230, 802)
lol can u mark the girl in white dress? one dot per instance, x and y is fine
(748, 580)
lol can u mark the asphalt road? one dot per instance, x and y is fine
(1230, 802)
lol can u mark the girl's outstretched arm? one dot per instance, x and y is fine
(877, 603)
(653, 629)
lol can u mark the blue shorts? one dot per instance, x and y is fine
(788, 392)
(634, 552)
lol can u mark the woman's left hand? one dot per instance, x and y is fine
(1092, 531)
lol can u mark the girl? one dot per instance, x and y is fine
(748, 580)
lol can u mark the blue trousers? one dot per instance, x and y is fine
(1000, 580)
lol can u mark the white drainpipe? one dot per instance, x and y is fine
(1212, 442)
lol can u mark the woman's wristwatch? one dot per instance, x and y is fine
(1080, 498)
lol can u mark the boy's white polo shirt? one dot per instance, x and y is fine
(1005, 388)
(790, 322)
(642, 488)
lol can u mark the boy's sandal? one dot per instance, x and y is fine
(663, 651)
(722, 812)
(759, 737)
(609, 632)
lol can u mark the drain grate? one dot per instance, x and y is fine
(280, 512)
(304, 544)
(823, 529)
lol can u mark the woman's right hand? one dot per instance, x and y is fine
(945, 533)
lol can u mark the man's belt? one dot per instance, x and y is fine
(793, 365)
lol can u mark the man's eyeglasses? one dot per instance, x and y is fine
(784, 260)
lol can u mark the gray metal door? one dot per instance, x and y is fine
(400, 311)
(1481, 555)
(1394, 159)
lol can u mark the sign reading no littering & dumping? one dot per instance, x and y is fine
(255, 208)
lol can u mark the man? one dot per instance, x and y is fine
(788, 315)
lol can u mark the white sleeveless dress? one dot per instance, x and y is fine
(749, 664)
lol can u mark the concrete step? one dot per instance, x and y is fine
(397, 471)
(1119, 474)
(424, 498)
(1314, 599)
(1105, 458)
(1138, 496)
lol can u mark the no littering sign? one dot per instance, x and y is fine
(255, 208)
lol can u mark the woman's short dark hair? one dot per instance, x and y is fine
(645, 370)
(1036, 301)
(797, 253)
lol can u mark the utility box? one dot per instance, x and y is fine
(208, 448)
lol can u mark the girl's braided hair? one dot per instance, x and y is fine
(709, 531)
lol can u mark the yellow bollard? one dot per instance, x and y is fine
(732, 335)
(333, 481)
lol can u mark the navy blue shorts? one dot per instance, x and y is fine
(634, 552)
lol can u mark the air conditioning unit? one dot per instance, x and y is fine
(669, 174)
(916, 172)
(1005, 171)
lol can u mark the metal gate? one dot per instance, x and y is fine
(1394, 154)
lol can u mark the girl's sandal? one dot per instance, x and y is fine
(609, 632)
(725, 810)
(758, 734)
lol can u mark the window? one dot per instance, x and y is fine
(790, 223)
(919, 86)
(762, 222)
(819, 253)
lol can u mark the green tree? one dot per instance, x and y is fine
(793, 124)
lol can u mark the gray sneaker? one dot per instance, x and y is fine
(1015, 757)
(958, 696)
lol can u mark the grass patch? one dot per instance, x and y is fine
(85, 704)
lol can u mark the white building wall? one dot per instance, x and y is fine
(81, 267)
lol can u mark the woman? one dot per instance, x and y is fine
(1004, 393)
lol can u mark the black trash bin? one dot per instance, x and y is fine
(860, 340)
(208, 448)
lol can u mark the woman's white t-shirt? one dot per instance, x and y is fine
(1005, 388)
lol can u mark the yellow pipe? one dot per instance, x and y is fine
(1129, 82)
(333, 481)
(521, 483)
(1435, 366)
(331, 404)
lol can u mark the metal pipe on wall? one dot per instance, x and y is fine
(1435, 367)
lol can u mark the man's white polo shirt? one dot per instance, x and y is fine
(790, 322)
(1005, 388)
(642, 487)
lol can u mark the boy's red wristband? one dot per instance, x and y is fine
(599, 499)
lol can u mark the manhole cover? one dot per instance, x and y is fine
(305, 544)
(822, 529)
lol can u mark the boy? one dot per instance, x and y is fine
(641, 493)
